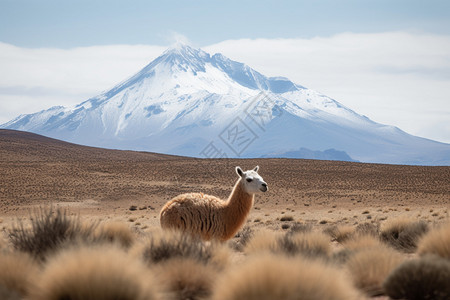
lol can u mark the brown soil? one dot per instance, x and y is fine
(37, 171)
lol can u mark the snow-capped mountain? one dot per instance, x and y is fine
(187, 102)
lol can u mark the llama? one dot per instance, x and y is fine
(209, 217)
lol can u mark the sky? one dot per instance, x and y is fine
(388, 60)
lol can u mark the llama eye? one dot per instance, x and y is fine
(249, 180)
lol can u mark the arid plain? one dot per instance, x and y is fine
(36, 171)
(328, 200)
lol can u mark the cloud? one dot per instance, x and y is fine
(35, 79)
(395, 78)
(175, 38)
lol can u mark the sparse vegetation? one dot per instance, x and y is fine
(417, 279)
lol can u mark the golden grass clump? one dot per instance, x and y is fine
(167, 245)
(185, 278)
(266, 277)
(115, 232)
(97, 273)
(403, 233)
(263, 240)
(437, 242)
(309, 244)
(340, 233)
(425, 278)
(359, 242)
(18, 272)
(369, 268)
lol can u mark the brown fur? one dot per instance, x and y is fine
(207, 216)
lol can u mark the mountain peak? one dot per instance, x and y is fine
(186, 51)
(189, 103)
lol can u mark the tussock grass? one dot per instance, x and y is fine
(370, 267)
(18, 272)
(97, 273)
(359, 242)
(310, 244)
(424, 278)
(299, 228)
(368, 229)
(263, 240)
(175, 244)
(403, 234)
(185, 278)
(340, 233)
(437, 242)
(49, 230)
(267, 277)
(115, 232)
(342, 256)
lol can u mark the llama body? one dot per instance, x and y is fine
(209, 217)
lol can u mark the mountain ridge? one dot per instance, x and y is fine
(185, 100)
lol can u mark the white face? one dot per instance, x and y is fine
(252, 181)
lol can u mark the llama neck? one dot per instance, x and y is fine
(238, 207)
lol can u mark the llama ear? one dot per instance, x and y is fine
(239, 171)
(256, 169)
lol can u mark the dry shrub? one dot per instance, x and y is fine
(18, 272)
(115, 232)
(403, 234)
(242, 238)
(185, 279)
(299, 228)
(310, 244)
(342, 256)
(359, 242)
(436, 242)
(340, 233)
(424, 278)
(370, 267)
(48, 232)
(267, 277)
(368, 229)
(175, 244)
(97, 273)
(303, 243)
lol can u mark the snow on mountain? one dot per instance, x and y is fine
(188, 102)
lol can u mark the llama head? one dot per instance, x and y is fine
(252, 181)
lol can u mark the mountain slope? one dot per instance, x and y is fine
(187, 102)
